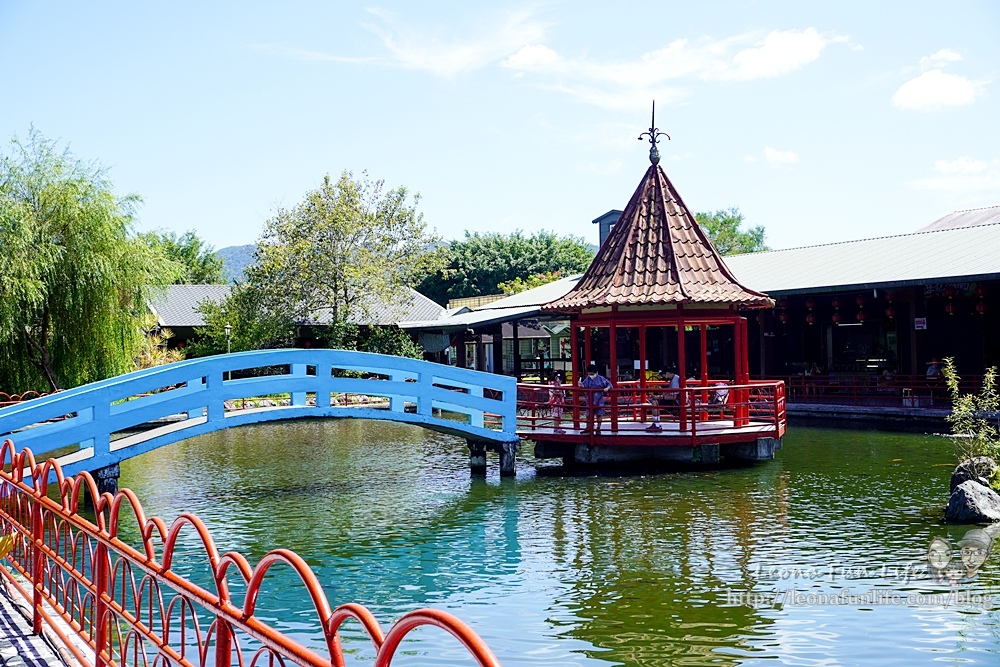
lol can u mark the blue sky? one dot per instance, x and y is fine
(821, 121)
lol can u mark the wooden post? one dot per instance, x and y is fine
(498, 350)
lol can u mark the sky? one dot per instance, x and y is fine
(821, 121)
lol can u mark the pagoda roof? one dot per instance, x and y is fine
(657, 255)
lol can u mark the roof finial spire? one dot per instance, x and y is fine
(654, 135)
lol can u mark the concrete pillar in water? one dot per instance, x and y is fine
(477, 458)
(106, 479)
(507, 452)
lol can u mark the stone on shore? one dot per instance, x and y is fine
(979, 469)
(973, 502)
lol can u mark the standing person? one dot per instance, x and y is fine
(557, 398)
(934, 369)
(666, 398)
(595, 399)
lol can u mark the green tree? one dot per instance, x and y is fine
(75, 280)
(347, 250)
(724, 229)
(973, 417)
(478, 263)
(199, 263)
(517, 285)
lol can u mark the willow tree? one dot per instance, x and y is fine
(74, 280)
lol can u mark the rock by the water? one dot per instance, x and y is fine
(978, 469)
(973, 503)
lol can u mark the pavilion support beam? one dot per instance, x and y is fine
(498, 349)
(460, 352)
(574, 354)
(517, 349)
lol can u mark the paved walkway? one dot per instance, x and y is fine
(18, 647)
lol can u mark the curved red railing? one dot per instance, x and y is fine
(11, 399)
(128, 606)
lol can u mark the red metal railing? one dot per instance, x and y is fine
(877, 390)
(130, 608)
(12, 399)
(694, 411)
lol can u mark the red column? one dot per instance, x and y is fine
(574, 353)
(704, 354)
(682, 370)
(642, 356)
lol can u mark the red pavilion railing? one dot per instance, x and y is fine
(113, 605)
(693, 412)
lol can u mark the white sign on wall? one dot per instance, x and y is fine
(920, 323)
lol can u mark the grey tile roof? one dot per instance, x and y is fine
(177, 306)
(963, 252)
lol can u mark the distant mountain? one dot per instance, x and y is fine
(236, 258)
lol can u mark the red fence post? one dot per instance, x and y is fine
(37, 565)
(101, 620)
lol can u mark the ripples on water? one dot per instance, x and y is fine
(589, 570)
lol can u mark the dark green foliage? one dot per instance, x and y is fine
(198, 262)
(477, 264)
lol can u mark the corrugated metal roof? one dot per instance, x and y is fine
(907, 258)
(535, 296)
(473, 319)
(968, 218)
(656, 254)
(177, 306)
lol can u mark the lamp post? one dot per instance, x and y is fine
(229, 347)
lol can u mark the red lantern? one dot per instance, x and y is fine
(980, 291)
(783, 318)
(810, 303)
(811, 319)
(860, 300)
(950, 308)
(890, 312)
(782, 303)
(835, 303)
(949, 291)
(835, 318)
(860, 316)
(981, 308)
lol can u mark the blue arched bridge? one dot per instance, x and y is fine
(96, 426)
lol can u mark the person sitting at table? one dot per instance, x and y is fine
(668, 397)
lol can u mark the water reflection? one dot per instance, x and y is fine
(638, 570)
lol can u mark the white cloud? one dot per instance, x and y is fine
(973, 181)
(777, 158)
(962, 165)
(940, 59)
(659, 73)
(782, 52)
(934, 89)
(448, 56)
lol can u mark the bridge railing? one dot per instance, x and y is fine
(112, 604)
(88, 419)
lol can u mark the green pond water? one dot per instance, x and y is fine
(665, 569)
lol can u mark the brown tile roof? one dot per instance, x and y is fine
(657, 254)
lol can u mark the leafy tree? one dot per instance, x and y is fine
(200, 264)
(477, 264)
(517, 285)
(973, 417)
(348, 249)
(723, 228)
(154, 351)
(75, 280)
